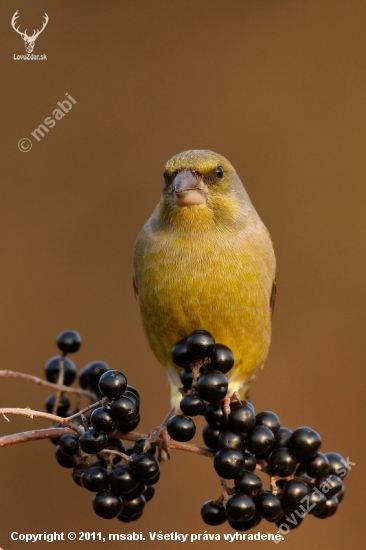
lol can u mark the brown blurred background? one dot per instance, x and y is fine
(278, 87)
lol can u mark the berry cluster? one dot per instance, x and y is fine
(303, 480)
(123, 479)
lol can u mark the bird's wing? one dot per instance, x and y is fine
(273, 296)
(274, 285)
(135, 289)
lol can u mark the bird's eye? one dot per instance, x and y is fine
(219, 172)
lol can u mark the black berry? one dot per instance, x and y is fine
(132, 508)
(305, 442)
(213, 513)
(260, 440)
(69, 444)
(122, 480)
(242, 418)
(63, 405)
(293, 494)
(181, 427)
(212, 386)
(149, 492)
(330, 508)
(231, 439)
(52, 370)
(268, 506)
(229, 463)
(90, 374)
(92, 442)
(95, 479)
(76, 474)
(282, 462)
(249, 484)
(138, 447)
(133, 390)
(145, 467)
(124, 409)
(129, 425)
(180, 354)
(222, 359)
(210, 435)
(186, 376)
(240, 508)
(318, 466)
(192, 405)
(135, 492)
(66, 461)
(330, 485)
(102, 420)
(112, 384)
(282, 438)
(201, 343)
(337, 464)
(269, 419)
(250, 462)
(69, 341)
(107, 505)
(245, 525)
(214, 414)
(317, 502)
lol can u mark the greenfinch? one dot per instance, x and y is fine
(205, 260)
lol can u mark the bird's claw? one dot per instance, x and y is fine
(160, 436)
(230, 397)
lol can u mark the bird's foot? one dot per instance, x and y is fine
(230, 397)
(160, 436)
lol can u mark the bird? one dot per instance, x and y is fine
(204, 260)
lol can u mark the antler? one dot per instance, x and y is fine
(13, 20)
(36, 34)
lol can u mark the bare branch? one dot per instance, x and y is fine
(47, 433)
(30, 413)
(89, 408)
(45, 383)
(33, 435)
(60, 382)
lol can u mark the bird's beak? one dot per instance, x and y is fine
(188, 189)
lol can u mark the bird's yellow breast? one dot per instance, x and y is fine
(208, 276)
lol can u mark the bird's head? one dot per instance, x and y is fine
(201, 183)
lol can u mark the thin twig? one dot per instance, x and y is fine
(191, 448)
(60, 382)
(30, 413)
(109, 452)
(47, 433)
(128, 436)
(33, 435)
(93, 406)
(45, 383)
(55, 432)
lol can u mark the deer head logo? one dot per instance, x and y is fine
(28, 40)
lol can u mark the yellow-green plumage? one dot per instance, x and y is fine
(206, 266)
